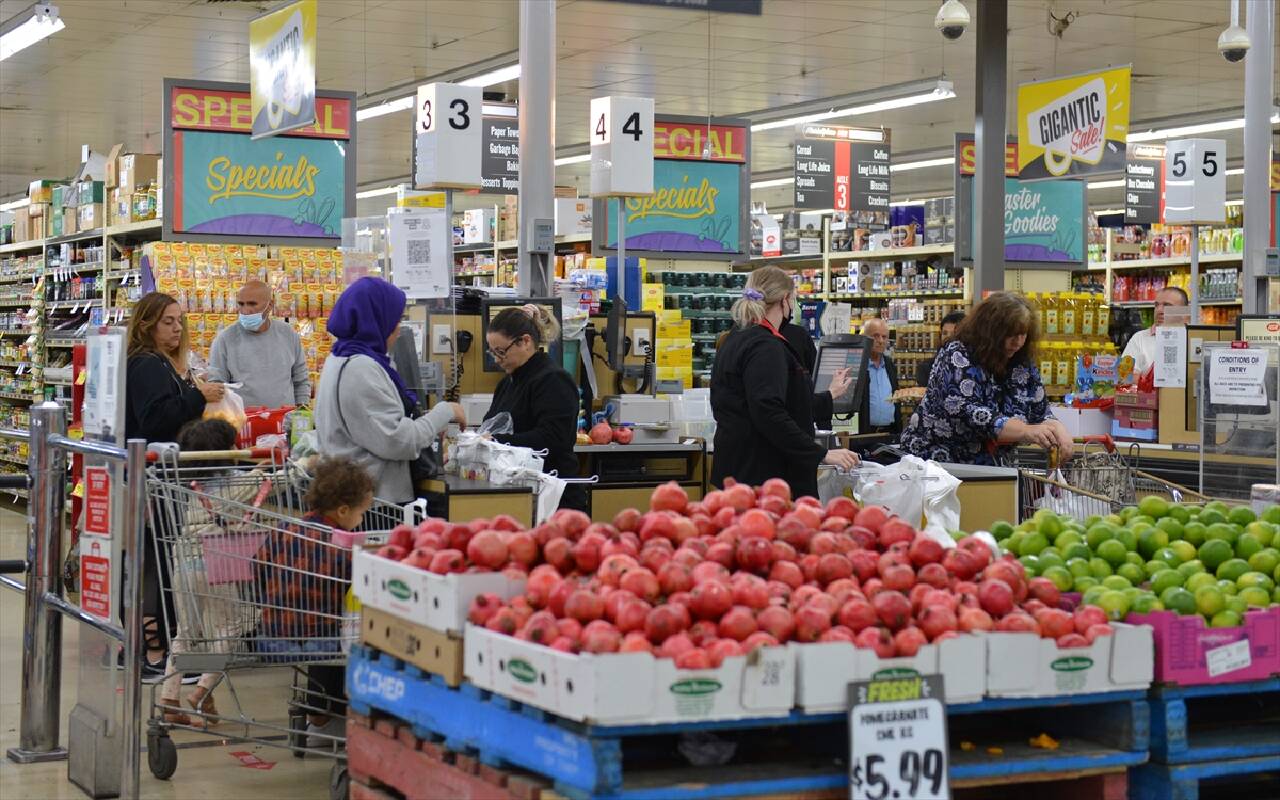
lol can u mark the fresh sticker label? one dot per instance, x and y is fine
(1072, 664)
(895, 672)
(1228, 658)
(522, 670)
(696, 686)
(399, 589)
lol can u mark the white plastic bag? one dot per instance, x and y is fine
(229, 408)
(550, 490)
(898, 487)
(941, 502)
(833, 483)
(1064, 501)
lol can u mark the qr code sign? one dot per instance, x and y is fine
(1170, 356)
(417, 252)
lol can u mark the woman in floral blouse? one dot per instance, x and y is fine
(985, 395)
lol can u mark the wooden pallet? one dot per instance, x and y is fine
(1217, 722)
(1183, 781)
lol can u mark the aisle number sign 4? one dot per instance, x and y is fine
(621, 135)
(1195, 176)
(447, 131)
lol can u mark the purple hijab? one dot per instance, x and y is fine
(362, 319)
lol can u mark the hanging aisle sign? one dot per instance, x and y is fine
(1075, 125)
(221, 185)
(621, 135)
(500, 155)
(1144, 184)
(1195, 176)
(842, 168)
(282, 68)
(447, 132)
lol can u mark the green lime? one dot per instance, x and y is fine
(1050, 558)
(1098, 534)
(1225, 619)
(1179, 600)
(1001, 530)
(1128, 512)
(1032, 544)
(1089, 597)
(1133, 558)
(1227, 587)
(1101, 568)
(1199, 579)
(1132, 573)
(1181, 513)
(1061, 577)
(1079, 567)
(1275, 597)
(1151, 540)
(1146, 603)
(1256, 579)
(1247, 545)
(1113, 519)
(1014, 543)
(1210, 516)
(1153, 506)
(1032, 565)
(1083, 583)
(1066, 538)
(1194, 532)
(1264, 532)
(1255, 596)
(1271, 514)
(1216, 505)
(1129, 538)
(1224, 531)
(1241, 515)
(1089, 520)
(1189, 568)
(1152, 567)
(1266, 560)
(1025, 525)
(1113, 552)
(1231, 569)
(1116, 583)
(1168, 556)
(1077, 550)
(1049, 525)
(1184, 550)
(1165, 579)
(1171, 526)
(1234, 603)
(1210, 600)
(1214, 552)
(1116, 604)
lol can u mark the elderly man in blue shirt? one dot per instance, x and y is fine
(876, 413)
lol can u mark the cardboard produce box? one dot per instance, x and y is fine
(1188, 652)
(439, 602)
(617, 688)
(573, 216)
(131, 171)
(22, 225)
(119, 207)
(431, 651)
(1025, 665)
(824, 670)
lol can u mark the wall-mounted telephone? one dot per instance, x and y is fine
(455, 363)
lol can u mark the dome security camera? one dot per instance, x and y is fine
(952, 19)
(1233, 44)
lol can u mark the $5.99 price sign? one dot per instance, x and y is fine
(898, 739)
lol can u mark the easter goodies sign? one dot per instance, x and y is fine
(1075, 125)
(222, 185)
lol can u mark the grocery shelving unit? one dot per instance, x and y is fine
(21, 322)
(506, 248)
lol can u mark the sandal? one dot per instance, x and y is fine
(172, 713)
(201, 700)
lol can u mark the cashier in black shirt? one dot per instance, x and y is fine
(762, 396)
(540, 396)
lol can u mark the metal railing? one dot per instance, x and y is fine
(44, 606)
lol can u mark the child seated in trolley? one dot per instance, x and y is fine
(304, 575)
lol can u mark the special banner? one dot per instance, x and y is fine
(221, 184)
(282, 68)
(1075, 125)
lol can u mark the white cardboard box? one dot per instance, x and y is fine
(1025, 665)
(573, 216)
(824, 670)
(439, 602)
(1083, 421)
(616, 688)
(477, 226)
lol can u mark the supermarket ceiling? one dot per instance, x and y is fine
(99, 80)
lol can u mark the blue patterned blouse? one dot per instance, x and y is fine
(965, 408)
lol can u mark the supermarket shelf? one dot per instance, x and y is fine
(58, 305)
(895, 254)
(514, 244)
(788, 258)
(895, 295)
(1149, 304)
(57, 381)
(25, 277)
(15, 303)
(1157, 263)
(134, 228)
(7, 332)
(17, 396)
(14, 363)
(70, 341)
(8, 459)
(19, 247)
(76, 269)
(82, 236)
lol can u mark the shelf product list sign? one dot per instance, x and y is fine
(842, 168)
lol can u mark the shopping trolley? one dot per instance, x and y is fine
(251, 585)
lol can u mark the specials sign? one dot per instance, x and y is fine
(1075, 125)
(222, 185)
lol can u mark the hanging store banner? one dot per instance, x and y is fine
(1044, 222)
(1076, 125)
(755, 7)
(967, 156)
(282, 68)
(222, 185)
(842, 168)
(1144, 184)
(699, 207)
(500, 156)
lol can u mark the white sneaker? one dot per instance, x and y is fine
(329, 736)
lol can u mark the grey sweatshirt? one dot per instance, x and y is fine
(376, 433)
(271, 365)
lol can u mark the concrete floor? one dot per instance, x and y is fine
(203, 771)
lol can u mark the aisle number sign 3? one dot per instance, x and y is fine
(447, 133)
(1195, 177)
(621, 136)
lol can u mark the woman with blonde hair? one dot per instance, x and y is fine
(762, 396)
(540, 396)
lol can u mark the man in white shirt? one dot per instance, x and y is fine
(1142, 345)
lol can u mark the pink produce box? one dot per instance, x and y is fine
(1189, 652)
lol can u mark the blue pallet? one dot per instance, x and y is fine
(1173, 743)
(1182, 781)
(585, 760)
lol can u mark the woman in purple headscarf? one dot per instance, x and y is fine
(364, 410)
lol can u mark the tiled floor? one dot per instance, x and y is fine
(203, 771)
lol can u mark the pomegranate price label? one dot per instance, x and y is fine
(95, 585)
(97, 501)
(898, 738)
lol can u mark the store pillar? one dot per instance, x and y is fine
(1259, 81)
(537, 143)
(989, 142)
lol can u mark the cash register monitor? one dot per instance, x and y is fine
(835, 352)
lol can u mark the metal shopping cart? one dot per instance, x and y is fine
(251, 585)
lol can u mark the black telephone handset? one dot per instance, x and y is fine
(464, 339)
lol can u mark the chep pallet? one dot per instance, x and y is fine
(1098, 734)
(1182, 781)
(1215, 722)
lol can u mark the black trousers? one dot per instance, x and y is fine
(327, 688)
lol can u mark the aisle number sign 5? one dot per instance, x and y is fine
(447, 137)
(621, 135)
(1195, 181)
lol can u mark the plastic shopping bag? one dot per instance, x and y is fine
(1060, 500)
(550, 490)
(833, 483)
(898, 487)
(497, 425)
(941, 502)
(229, 408)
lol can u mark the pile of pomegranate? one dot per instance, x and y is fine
(698, 582)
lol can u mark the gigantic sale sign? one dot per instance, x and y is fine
(1075, 125)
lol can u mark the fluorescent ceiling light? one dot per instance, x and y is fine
(367, 193)
(1193, 130)
(1109, 211)
(25, 29)
(928, 162)
(500, 75)
(774, 182)
(1238, 202)
(1236, 171)
(389, 107)
(15, 204)
(889, 97)
(1106, 184)
(580, 159)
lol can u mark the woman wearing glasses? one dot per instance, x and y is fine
(540, 396)
(364, 410)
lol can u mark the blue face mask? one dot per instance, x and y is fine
(251, 322)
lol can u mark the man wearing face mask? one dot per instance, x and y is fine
(263, 354)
